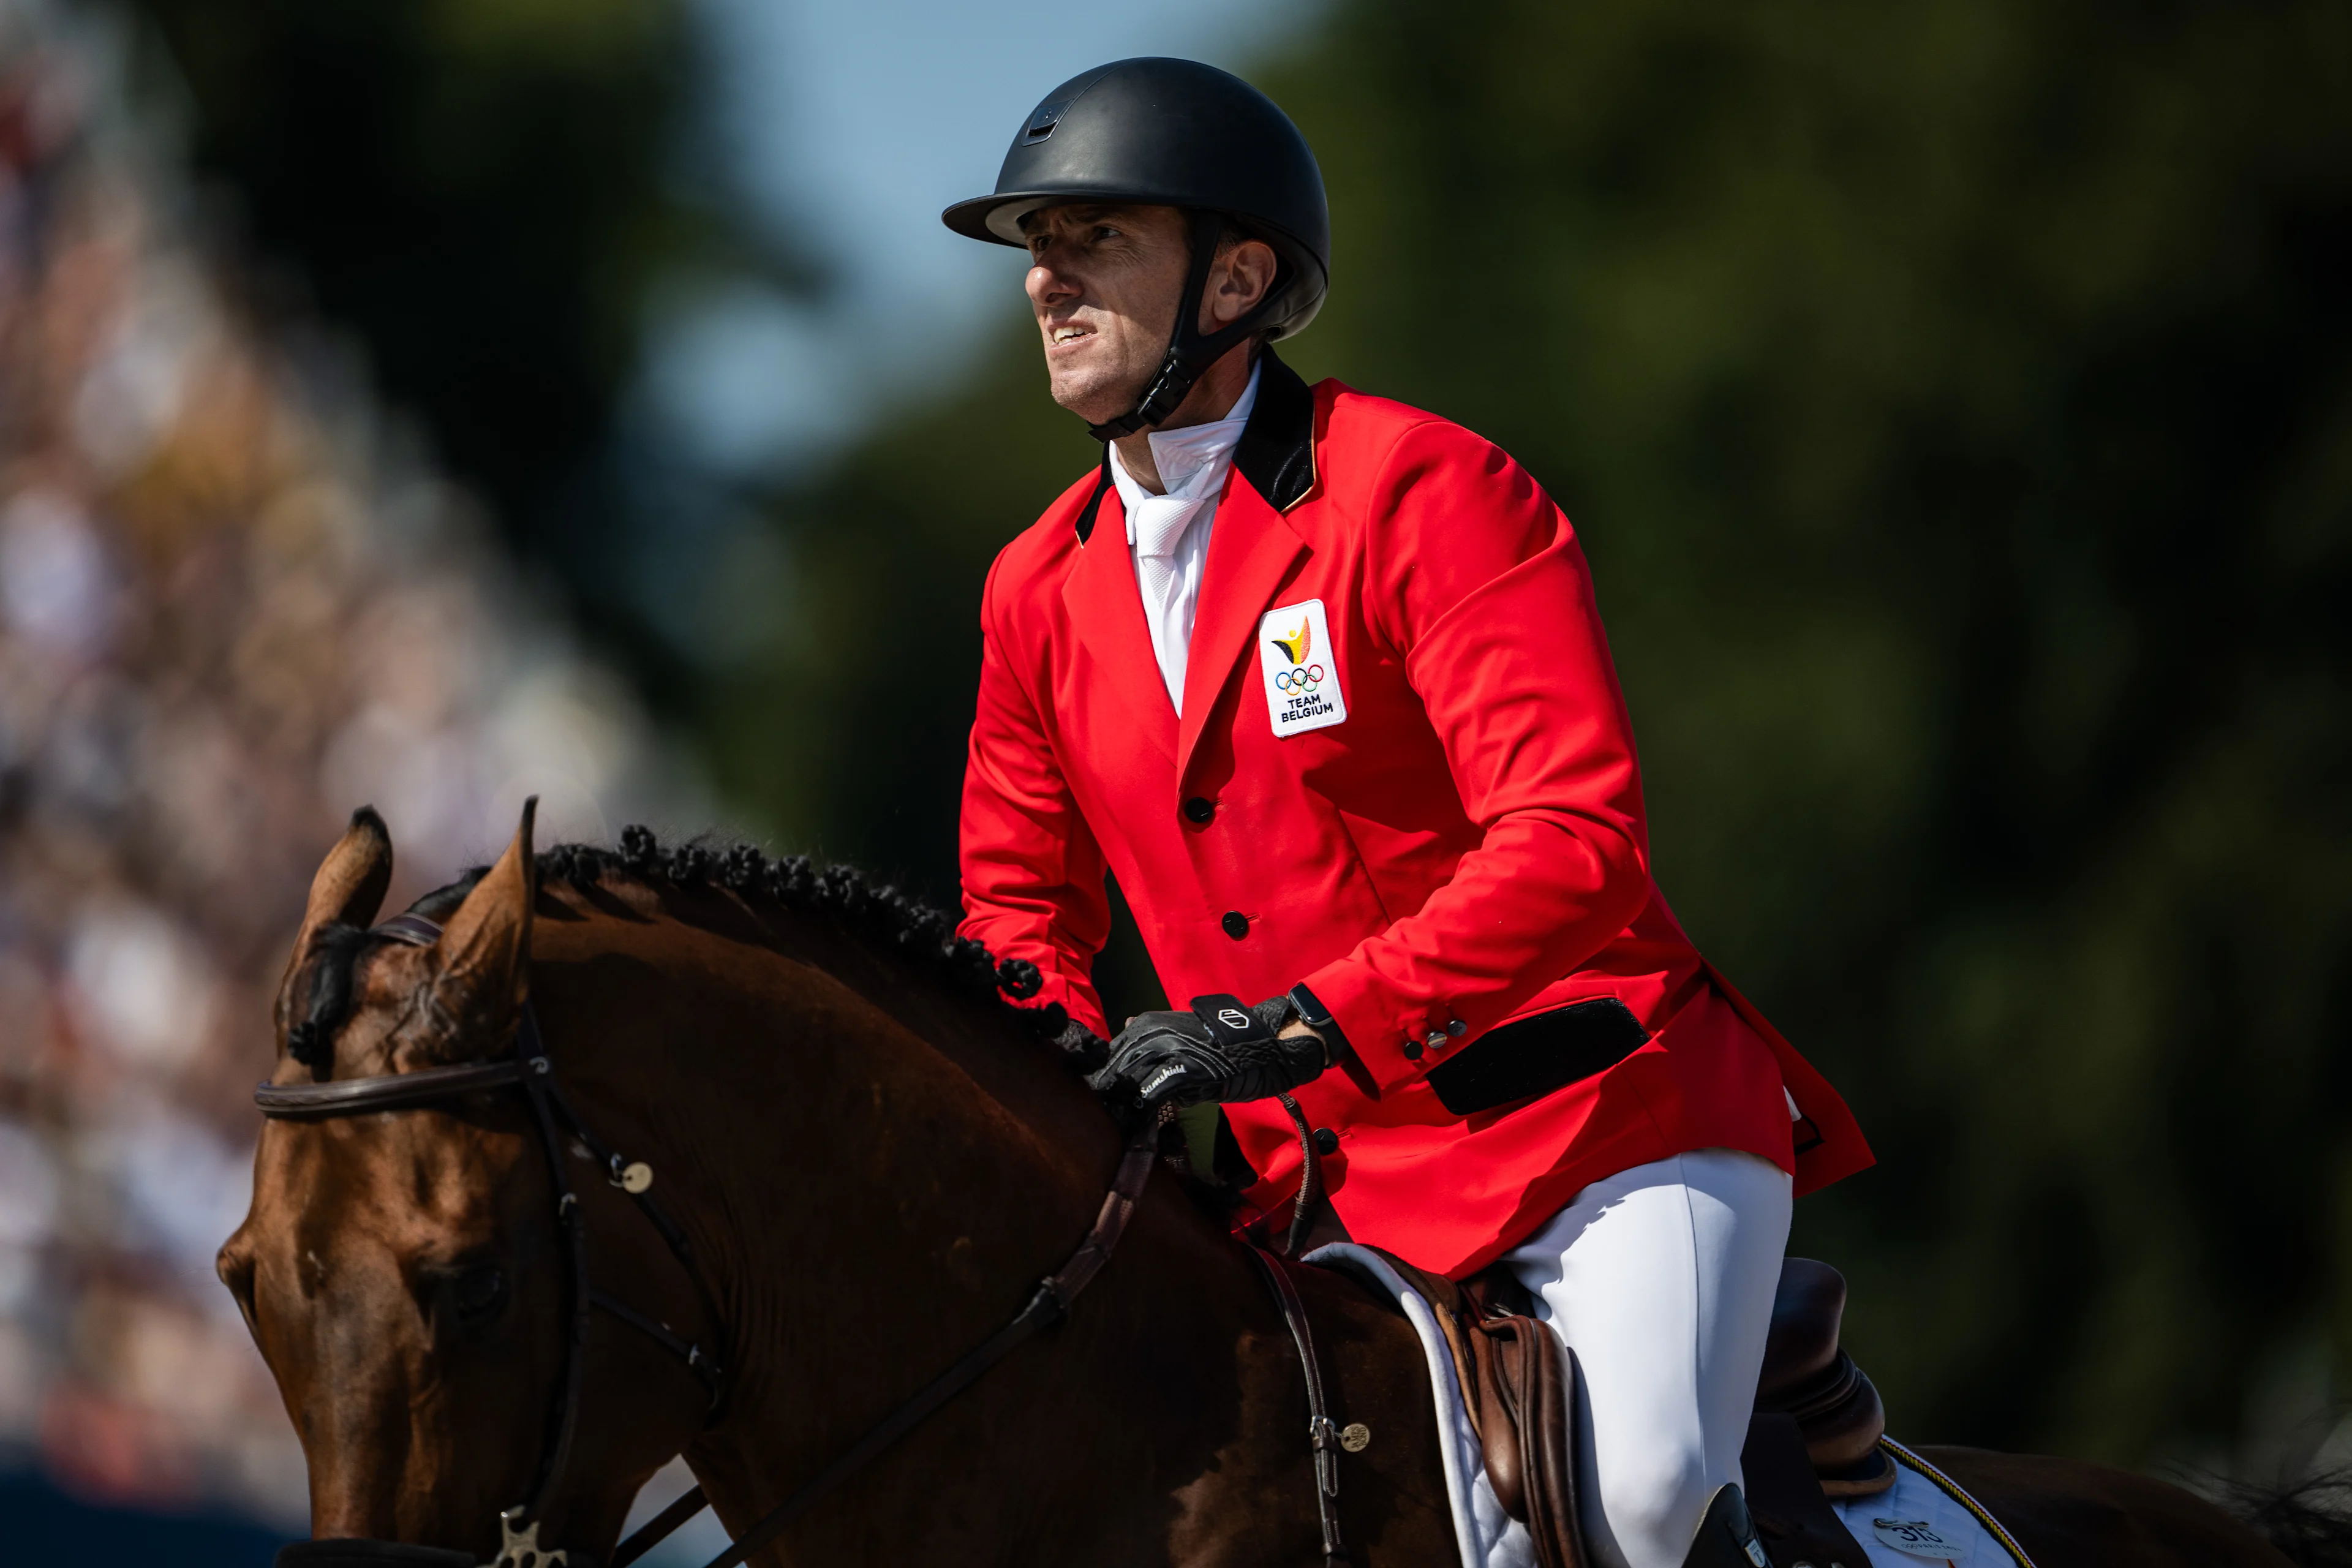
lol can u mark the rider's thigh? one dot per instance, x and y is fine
(1661, 1279)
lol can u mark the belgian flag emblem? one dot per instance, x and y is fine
(1299, 661)
(1298, 644)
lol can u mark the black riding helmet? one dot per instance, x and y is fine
(1172, 133)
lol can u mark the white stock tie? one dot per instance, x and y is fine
(1169, 534)
(1160, 524)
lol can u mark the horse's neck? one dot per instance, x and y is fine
(875, 1201)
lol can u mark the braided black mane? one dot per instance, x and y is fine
(883, 915)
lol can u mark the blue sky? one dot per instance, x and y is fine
(853, 124)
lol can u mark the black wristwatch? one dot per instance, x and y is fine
(1317, 1017)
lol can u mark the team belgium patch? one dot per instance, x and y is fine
(1302, 677)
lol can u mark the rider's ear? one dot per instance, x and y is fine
(485, 951)
(348, 890)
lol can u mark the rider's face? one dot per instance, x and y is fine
(1104, 281)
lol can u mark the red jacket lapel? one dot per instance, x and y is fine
(1252, 548)
(1106, 609)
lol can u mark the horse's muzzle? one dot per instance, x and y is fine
(355, 1553)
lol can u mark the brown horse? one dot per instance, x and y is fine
(871, 1167)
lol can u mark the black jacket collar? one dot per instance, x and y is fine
(1277, 453)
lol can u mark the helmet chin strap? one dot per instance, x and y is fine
(1190, 351)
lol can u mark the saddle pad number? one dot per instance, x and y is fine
(1302, 677)
(1918, 1537)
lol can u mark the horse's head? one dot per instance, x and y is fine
(404, 1270)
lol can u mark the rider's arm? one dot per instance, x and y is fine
(1475, 580)
(1033, 873)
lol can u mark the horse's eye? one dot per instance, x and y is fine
(479, 1292)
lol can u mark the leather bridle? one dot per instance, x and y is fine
(530, 1071)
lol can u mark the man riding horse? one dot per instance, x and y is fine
(1321, 679)
(601, 1156)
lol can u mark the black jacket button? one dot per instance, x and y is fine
(1200, 808)
(1326, 1140)
(1413, 1050)
(1236, 924)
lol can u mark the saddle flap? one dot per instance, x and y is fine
(1475, 1371)
(1533, 1384)
(1518, 1382)
(1817, 1424)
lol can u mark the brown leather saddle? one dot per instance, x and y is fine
(1814, 1435)
(1807, 1376)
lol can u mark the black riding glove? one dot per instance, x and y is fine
(1220, 1050)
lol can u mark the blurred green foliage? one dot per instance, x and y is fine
(1955, 400)
(487, 193)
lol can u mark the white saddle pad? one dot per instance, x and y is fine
(1932, 1526)
(1919, 1523)
(1488, 1537)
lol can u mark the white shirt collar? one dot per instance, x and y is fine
(1192, 461)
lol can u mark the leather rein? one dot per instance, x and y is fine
(530, 1070)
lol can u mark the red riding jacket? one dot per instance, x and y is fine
(1404, 776)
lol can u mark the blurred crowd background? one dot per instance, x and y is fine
(234, 601)
(430, 402)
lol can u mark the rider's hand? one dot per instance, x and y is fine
(1220, 1050)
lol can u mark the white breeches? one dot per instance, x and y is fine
(1661, 1279)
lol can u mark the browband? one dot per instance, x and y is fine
(389, 1092)
(393, 1091)
(415, 930)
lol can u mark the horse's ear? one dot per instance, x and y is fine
(485, 951)
(349, 888)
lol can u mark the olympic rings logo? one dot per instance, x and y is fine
(1306, 680)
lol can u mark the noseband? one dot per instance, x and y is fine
(530, 1070)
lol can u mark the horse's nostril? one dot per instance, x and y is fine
(479, 1293)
